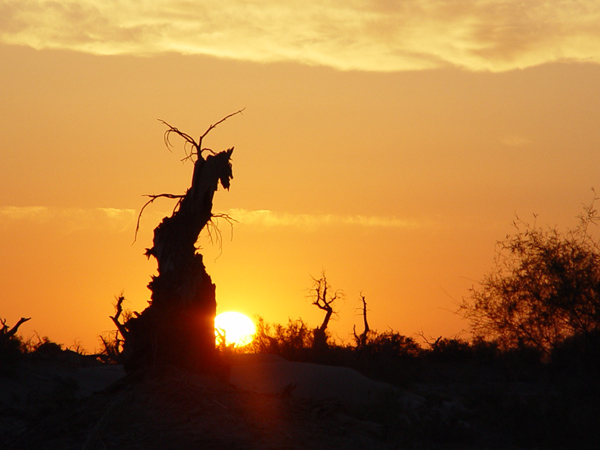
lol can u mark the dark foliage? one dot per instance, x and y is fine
(390, 344)
(11, 350)
(444, 349)
(47, 349)
(578, 353)
(510, 398)
(292, 341)
(544, 288)
(12, 346)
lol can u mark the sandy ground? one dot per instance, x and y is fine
(271, 404)
(266, 402)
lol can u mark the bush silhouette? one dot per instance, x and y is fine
(11, 350)
(391, 344)
(292, 341)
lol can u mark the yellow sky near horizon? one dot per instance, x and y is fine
(387, 143)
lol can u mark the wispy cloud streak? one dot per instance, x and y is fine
(379, 35)
(268, 218)
(123, 220)
(71, 219)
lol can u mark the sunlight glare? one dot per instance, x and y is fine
(237, 328)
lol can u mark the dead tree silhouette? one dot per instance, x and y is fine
(361, 340)
(324, 300)
(7, 332)
(177, 328)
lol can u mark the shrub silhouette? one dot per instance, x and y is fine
(292, 341)
(456, 350)
(580, 352)
(390, 344)
(11, 350)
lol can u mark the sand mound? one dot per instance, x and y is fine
(51, 405)
(269, 374)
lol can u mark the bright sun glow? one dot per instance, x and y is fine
(237, 328)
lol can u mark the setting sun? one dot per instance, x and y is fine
(237, 328)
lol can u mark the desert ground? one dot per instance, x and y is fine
(70, 401)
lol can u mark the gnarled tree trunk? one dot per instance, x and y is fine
(177, 328)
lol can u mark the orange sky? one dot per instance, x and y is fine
(389, 144)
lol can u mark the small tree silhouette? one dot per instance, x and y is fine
(544, 288)
(324, 300)
(362, 340)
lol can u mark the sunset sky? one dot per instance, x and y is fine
(388, 143)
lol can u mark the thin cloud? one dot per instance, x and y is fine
(268, 218)
(381, 35)
(71, 219)
(38, 213)
(123, 220)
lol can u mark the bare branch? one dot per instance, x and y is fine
(7, 333)
(119, 306)
(173, 129)
(214, 125)
(198, 152)
(227, 217)
(118, 311)
(211, 225)
(366, 324)
(196, 146)
(323, 299)
(152, 198)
